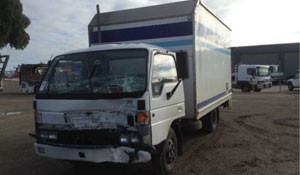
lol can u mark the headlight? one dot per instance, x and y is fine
(124, 139)
(44, 135)
(48, 135)
(129, 139)
(52, 136)
(135, 140)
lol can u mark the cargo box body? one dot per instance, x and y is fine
(182, 26)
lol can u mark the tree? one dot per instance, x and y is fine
(13, 24)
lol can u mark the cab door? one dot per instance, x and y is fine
(165, 107)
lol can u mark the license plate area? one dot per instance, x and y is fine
(101, 120)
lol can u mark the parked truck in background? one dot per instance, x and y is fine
(31, 76)
(276, 75)
(251, 77)
(126, 102)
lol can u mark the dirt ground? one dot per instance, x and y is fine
(259, 135)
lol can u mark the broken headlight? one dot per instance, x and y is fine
(48, 135)
(127, 139)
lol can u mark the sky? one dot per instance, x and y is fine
(58, 26)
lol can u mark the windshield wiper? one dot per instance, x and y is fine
(90, 77)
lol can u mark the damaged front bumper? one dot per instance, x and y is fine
(98, 155)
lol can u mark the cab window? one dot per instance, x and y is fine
(251, 71)
(164, 71)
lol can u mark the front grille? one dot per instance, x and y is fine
(85, 137)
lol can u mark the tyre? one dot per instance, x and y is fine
(165, 158)
(35, 89)
(246, 88)
(210, 121)
(290, 86)
(257, 90)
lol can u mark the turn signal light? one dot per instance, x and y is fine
(143, 117)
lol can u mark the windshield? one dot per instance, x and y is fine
(103, 73)
(263, 71)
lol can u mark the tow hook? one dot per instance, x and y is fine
(133, 155)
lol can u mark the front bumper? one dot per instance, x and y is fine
(116, 155)
(264, 85)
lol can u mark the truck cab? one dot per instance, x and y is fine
(110, 103)
(252, 77)
(276, 75)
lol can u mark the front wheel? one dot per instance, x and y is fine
(164, 160)
(246, 88)
(257, 90)
(290, 86)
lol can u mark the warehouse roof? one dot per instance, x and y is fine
(183, 8)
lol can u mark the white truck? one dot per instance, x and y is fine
(126, 102)
(30, 77)
(276, 76)
(251, 77)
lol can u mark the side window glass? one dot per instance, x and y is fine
(164, 71)
(250, 71)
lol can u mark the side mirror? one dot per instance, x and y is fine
(49, 63)
(182, 65)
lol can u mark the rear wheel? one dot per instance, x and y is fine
(246, 88)
(290, 86)
(164, 160)
(210, 121)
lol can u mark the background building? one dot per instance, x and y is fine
(285, 55)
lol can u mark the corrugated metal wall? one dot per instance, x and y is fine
(285, 55)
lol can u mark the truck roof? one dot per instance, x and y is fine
(168, 10)
(183, 8)
(100, 47)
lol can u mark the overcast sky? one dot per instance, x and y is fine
(58, 26)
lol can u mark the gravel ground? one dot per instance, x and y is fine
(259, 135)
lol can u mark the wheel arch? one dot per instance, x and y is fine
(176, 126)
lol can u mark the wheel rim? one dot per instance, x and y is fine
(171, 153)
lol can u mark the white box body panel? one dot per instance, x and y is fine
(202, 35)
(212, 60)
